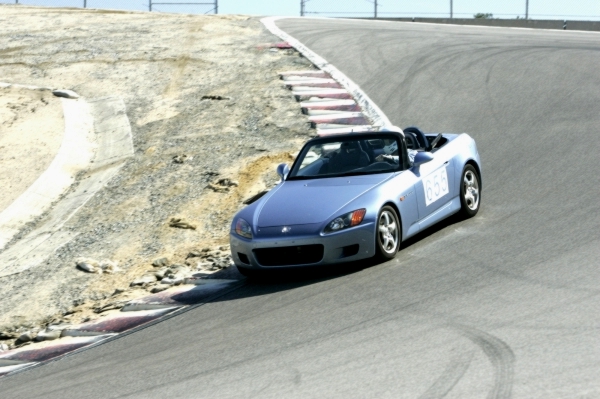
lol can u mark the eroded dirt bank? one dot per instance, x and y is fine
(205, 104)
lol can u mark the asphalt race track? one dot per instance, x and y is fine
(503, 305)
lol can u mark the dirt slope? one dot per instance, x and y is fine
(198, 87)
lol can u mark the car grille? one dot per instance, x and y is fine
(288, 256)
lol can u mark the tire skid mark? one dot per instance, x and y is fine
(500, 355)
(457, 367)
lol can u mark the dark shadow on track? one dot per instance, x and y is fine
(270, 281)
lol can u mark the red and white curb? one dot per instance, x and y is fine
(331, 109)
(334, 103)
(135, 314)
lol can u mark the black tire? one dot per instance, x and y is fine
(386, 249)
(470, 192)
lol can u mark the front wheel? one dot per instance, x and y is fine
(388, 233)
(470, 192)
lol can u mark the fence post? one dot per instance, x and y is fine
(150, 5)
(451, 10)
(526, 9)
(301, 8)
(375, 2)
(216, 6)
(84, 3)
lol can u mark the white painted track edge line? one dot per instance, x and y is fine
(369, 107)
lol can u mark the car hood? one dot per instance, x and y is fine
(313, 201)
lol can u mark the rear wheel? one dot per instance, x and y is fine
(470, 192)
(388, 233)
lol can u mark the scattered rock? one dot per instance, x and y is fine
(48, 335)
(204, 265)
(145, 279)
(160, 273)
(222, 185)
(25, 337)
(5, 335)
(117, 291)
(227, 182)
(65, 93)
(4, 347)
(217, 189)
(181, 224)
(179, 158)
(109, 266)
(224, 248)
(194, 254)
(159, 288)
(59, 326)
(210, 173)
(217, 98)
(160, 262)
(109, 306)
(169, 272)
(173, 280)
(92, 266)
(89, 265)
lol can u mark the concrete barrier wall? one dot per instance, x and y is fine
(513, 23)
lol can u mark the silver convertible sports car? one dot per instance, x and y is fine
(354, 196)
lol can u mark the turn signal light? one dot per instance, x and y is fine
(357, 217)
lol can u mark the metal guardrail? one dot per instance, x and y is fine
(507, 23)
(516, 9)
(214, 4)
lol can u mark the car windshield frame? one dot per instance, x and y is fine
(295, 169)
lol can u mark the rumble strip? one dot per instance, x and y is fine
(334, 103)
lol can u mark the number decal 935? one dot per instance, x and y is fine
(435, 186)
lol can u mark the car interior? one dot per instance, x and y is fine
(363, 155)
(418, 141)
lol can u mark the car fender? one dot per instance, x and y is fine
(466, 152)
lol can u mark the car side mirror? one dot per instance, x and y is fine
(283, 170)
(422, 157)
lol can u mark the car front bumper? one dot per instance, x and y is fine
(344, 246)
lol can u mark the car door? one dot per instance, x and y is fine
(433, 187)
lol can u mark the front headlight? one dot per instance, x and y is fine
(350, 219)
(242, 228)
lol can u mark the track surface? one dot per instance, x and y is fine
(502, 305)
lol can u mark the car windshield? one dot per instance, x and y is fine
(347, 157)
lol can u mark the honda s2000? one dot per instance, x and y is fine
(354, 196)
